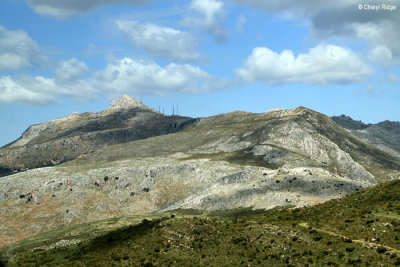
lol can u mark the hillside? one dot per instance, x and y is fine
(295, 157)
(362, 229)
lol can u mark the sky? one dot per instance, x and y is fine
(207, 56)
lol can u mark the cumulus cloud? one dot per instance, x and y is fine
(381, 55)
(383, 38)
(38, 90)
(209, 15)
(147, 77)
(61, 9)
(71, 70)
(126, 75)
(12, 91)
(18, 50)
(342, 18)
(321, 65)
(162, 41)
(379, 30)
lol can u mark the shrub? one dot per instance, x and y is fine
(317, 238)
(381, 249)
(353, 261)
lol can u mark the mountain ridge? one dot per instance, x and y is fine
(295, 158)
(125, 102)
(385, 135)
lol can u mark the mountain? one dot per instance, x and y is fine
(295, 157)
(384, 135)
(73, 136)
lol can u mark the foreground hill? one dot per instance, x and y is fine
(294, 157)
(362, 229)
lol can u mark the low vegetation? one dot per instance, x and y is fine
(361, 229)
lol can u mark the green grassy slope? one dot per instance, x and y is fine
(360, 229)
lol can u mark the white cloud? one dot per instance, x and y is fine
(321, 65)
(383, 38)
(376, 29)
(18, 50)
(39, 90)
(61, 9)
(126, 75)
(342, 18)
(392, 78)
(147, 77)
(369, 31)
(381, 55)
(71, 70)
(162, 41)
(12, 91)
(209, 16)
(242, 20)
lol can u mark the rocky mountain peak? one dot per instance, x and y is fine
(125, 102)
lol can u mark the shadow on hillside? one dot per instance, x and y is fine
(110, 239)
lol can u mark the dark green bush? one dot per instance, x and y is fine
(381, 249)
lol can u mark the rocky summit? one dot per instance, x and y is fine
(126, 102)
(76, 135)
(132, 160)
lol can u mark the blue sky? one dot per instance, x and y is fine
(207, 56)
